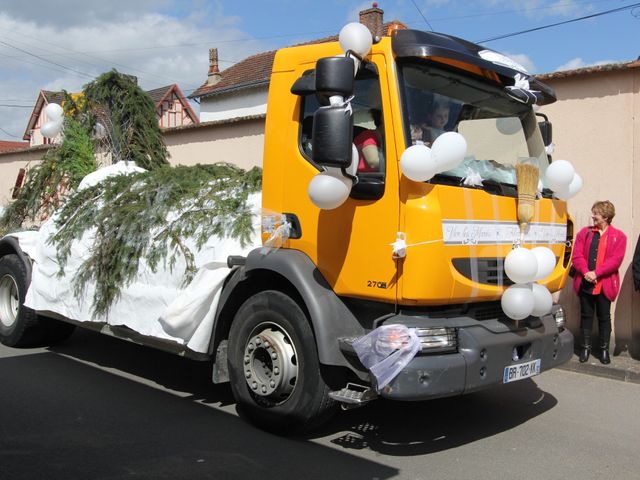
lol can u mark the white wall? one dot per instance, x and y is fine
(241, 104)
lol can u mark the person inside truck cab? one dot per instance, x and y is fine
(437, 118)
(368, 141)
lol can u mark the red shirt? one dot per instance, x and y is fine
(363, 139)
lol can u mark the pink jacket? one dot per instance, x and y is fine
(607, 271)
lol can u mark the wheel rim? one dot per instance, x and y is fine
(270, 364)
(9, 301)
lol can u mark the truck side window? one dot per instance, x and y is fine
(368, 131)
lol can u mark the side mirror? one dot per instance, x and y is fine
(332, 137)
(334, 76)
(545, 129)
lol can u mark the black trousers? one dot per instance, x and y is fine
(599, 304)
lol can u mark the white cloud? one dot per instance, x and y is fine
(63, 13)
(158, 48)
(523, 60)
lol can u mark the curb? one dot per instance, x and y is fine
(624, 369)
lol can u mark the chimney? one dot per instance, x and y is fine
(214, 75)
(372, 19)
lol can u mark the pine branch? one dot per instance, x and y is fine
(149, 216)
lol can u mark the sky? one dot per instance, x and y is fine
(67, 43)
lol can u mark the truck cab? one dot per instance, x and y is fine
(457, 233)
(422, 261)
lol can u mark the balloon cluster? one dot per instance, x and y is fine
(419, 162)
(330, 188)
(54, 125)
(524, 267)
(562, 178)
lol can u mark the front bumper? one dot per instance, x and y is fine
(484, 350)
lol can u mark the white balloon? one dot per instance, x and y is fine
(50, 129)
(449, 150)
(572, 190)
(329, 190)
(355, 37)
(417, 163)
(53, 111)
(542, 300)
(559, 175)
(521, 265)
(518, 301)
(546, 260)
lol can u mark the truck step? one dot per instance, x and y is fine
(354, 395)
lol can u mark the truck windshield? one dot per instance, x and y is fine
(498, 129)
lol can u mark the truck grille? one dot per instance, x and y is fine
(489, 271)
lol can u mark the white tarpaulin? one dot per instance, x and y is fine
(154, 304)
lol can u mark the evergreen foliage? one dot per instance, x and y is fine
(134, 130)
(147, 217)
(61, 170)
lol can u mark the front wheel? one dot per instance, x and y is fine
(273, 365)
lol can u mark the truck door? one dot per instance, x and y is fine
(351, 245)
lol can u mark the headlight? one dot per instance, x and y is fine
(560, 318)
(440, 339)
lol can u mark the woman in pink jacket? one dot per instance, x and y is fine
(597, 256)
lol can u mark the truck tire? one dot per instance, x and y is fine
(273, 366)
(20, 326)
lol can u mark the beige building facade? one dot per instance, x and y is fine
(596, 126)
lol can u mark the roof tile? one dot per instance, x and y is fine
(609, 67)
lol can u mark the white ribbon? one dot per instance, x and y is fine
(400, 245)
(473, 179)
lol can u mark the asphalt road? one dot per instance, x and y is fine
(99, 408)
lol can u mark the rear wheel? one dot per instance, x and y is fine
(273, 365)
(20, 326)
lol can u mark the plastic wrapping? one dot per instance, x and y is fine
(387, 350)
(277, 226)
(485, 169)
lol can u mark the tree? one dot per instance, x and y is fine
(130, 116)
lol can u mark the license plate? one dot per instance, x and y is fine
(513, 373)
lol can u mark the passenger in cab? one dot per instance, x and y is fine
(369, 142)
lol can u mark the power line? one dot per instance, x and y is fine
(423, 17)
(500, 37)
(516, 10)
(16, 106)
(10, 134)
(108, 62)
(45, 60)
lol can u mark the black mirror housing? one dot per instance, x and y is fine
(332, 137)
(546, 131)
(334, 76)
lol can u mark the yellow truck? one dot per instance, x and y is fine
(286, 322)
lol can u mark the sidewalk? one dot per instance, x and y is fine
(622, 367)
